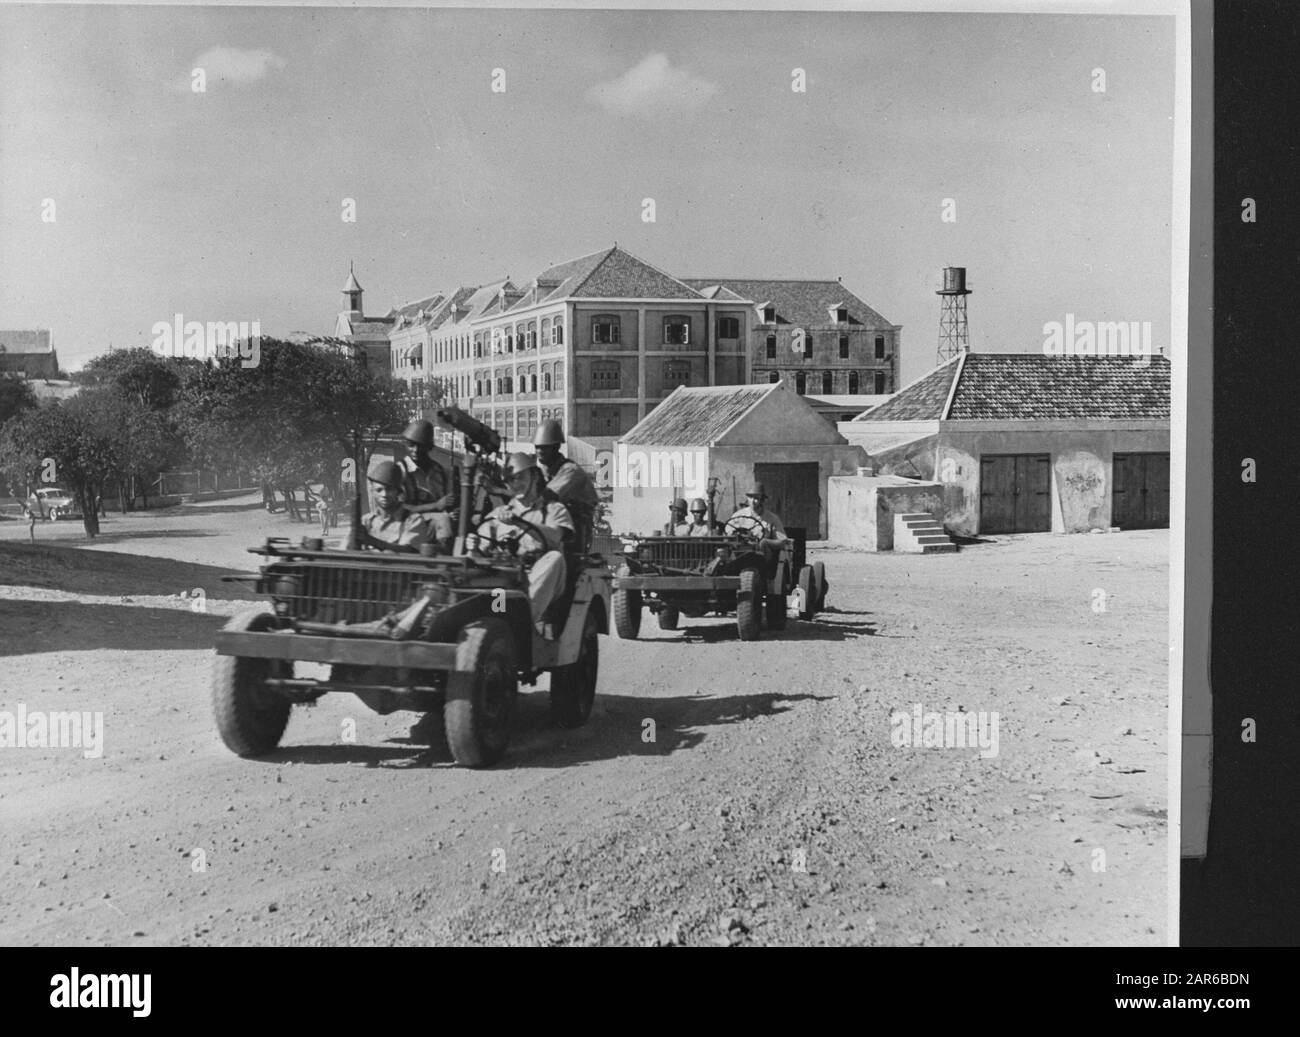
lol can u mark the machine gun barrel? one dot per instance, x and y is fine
(482, 437)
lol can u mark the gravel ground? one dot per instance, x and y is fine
(771, 806)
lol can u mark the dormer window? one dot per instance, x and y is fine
(769, 314)
(842, 315)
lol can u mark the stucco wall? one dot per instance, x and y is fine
(1081, 467)
(862, 508)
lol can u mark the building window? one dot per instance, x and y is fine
(826, 383)
(677, 331)
(842, 315)
(557, 332)
(771, 347)
(604, 329)
(853, 383)
(510, 341)
(546, 330)
(605, 421)
(769, 314)
(676, 372)
(559, 377)
(532, 338)
(844, 347)
(773, 377)
(728, 327)
(880, 383)
(800, 382)
(478, 347)
(605, 375)
(532, 382)
(478, 387)
(546, 381)
(880, 347)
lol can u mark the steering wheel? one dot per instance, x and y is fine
(513, 542)
(748, 527)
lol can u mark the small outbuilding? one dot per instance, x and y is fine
(1026, 442)
(737, 435)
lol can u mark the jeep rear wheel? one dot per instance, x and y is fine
(251, 718)
(573, 687)
(669, 617)
(481, 693)
(749, 605)
(627, 613)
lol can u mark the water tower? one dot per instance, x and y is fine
(953, 335)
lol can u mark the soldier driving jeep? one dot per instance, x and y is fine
(536, 527)
(390, 525)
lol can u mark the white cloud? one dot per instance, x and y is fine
(233, 65)
(653, 85)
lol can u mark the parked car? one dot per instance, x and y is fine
(53, 503)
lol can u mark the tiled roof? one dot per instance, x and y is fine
(1035, 386)
(410, 309)
(799, 302)
(25, 341)
(620, 275)
(923, 400)
(696, 416)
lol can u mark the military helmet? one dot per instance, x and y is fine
(518, 463)
(419, 432)
(679, 504)
(386, 473)
(549, 433)
(757, 491)
(698, 505)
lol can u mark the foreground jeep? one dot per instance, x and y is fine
(731, 574)
(403, 631)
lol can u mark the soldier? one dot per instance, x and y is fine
(568, 480)
(390, 526)
(677, 524)
(770, 532)
(700, 525)
(429, 491)
(547, 518)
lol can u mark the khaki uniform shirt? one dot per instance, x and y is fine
(551, 516)
(401, 528)
(768, 518)
(423, 486)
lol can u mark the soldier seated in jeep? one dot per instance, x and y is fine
(390, 526)
(537, 528)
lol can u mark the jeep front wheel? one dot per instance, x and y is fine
(251, 718)
(481, 693)
(573, 687)
(627, 614)
(749, 605)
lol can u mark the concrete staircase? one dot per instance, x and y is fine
(918, 533)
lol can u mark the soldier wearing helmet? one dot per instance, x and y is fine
(567, 480)
(700, 526)
(755, 508)
(677, 524)
(389, 525)
(428, 490)
(537, 526)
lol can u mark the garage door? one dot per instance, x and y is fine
(1141, 491)
(1014, 493)
(792, 492)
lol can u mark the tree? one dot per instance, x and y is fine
(16, 396)
(137, 373)
(289, 419)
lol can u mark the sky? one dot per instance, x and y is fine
(227, 204)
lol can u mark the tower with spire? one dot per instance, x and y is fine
(368, 335)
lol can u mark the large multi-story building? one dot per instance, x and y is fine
(816, 336)
(599, 341)
(28, 354)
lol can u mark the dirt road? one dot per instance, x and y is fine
(771, 806)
